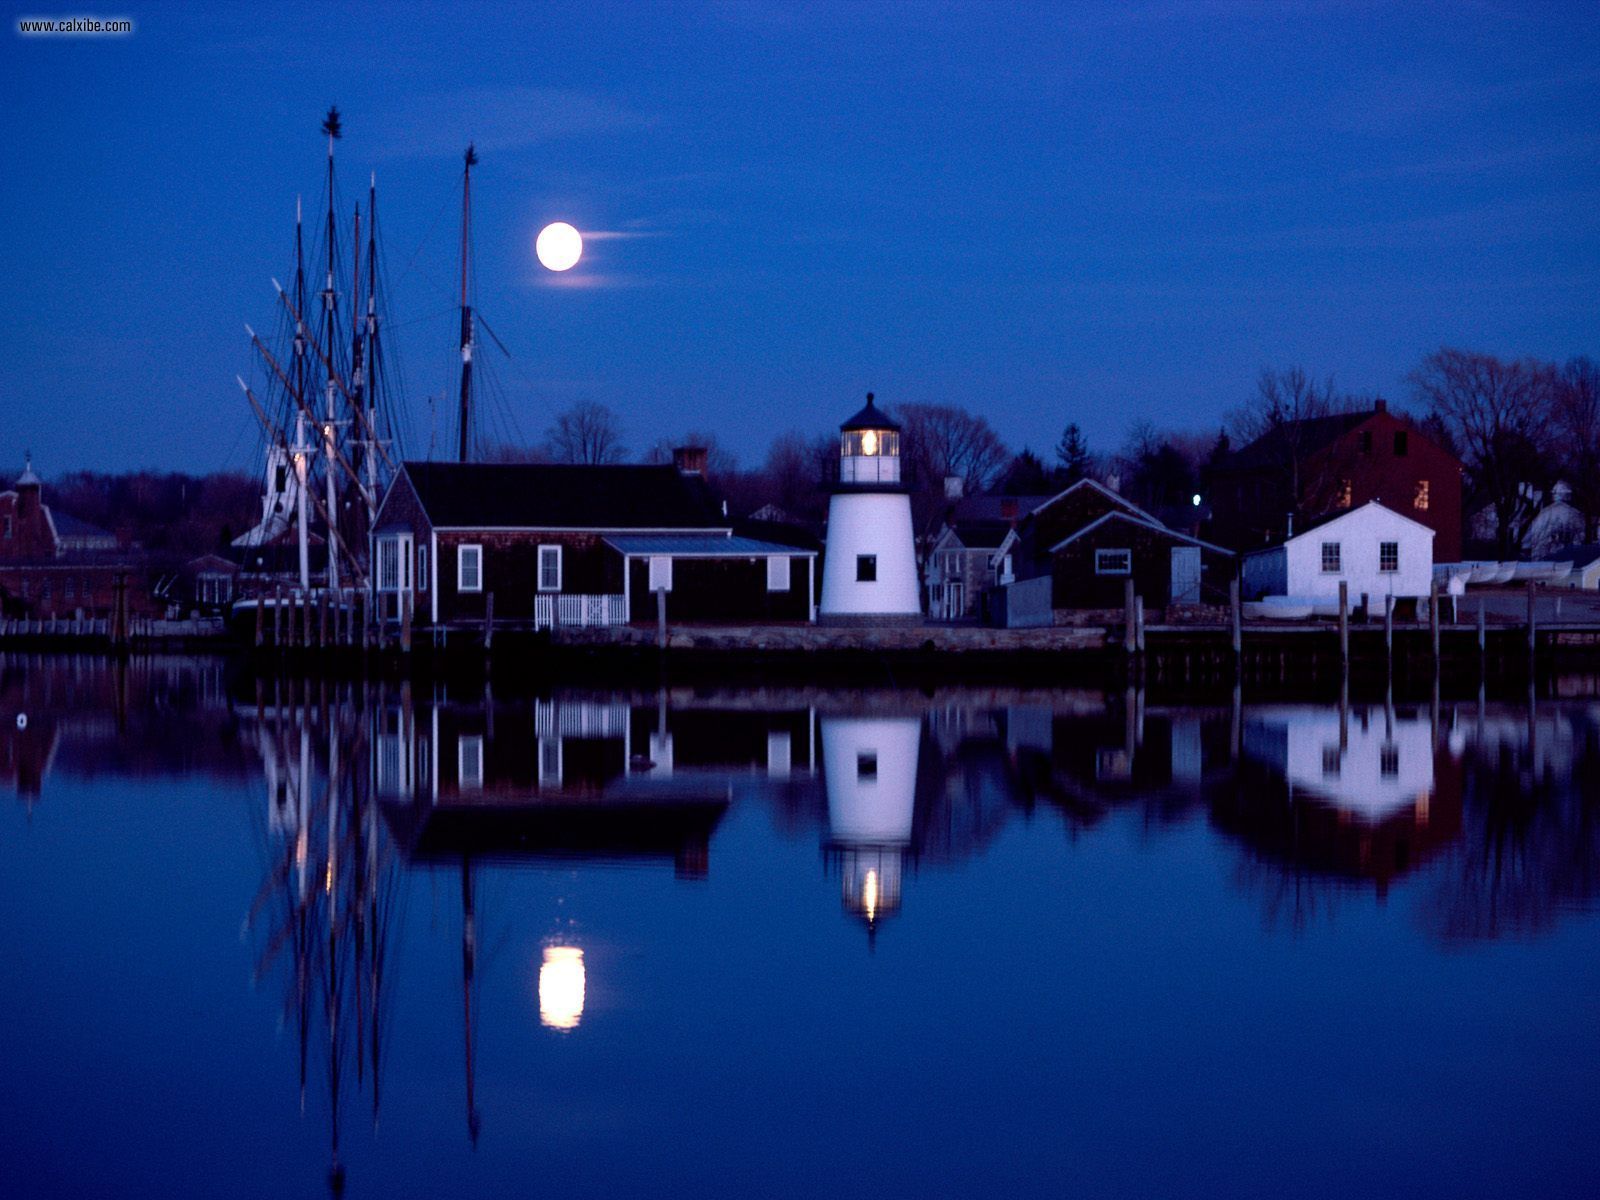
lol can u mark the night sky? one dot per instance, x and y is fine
(1045, 213)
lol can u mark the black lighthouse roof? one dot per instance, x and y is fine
(870, 417)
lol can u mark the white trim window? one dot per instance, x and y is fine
(392, 553)
(1332, 557)
(660, 573)
(1113, 562)
(778, 574)
(469, 568)
(1388, 557)
(422, 568)
(549, 568)
(469, 761)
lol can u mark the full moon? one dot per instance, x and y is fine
(559, 246)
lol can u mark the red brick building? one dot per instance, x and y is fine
(1308, 469)
(54, 565)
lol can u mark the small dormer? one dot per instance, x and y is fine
(869, 447)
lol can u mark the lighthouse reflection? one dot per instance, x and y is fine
(870, 771)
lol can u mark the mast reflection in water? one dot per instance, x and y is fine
(414, 869)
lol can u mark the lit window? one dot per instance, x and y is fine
(1400, 440)
(1420, 500)
(422, 568)
(1344, 493)
(1113, 562)
(1330, 558)
(549, 568)
(778, 573)
(866, 568)
(1388, 556)
(469, 569)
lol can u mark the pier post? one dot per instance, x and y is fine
(661, 618)
(277, 617)
(405, 620)
(305, 619)
(322, 619)
(488, 621)
(261, 618)
(1533, 627)
(1129, 633)
(1433, 618)
(1236, 615)
(1483, 641)
(1344, 625)
(1138, 623)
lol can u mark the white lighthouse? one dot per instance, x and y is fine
(870, 574)
(870, 771)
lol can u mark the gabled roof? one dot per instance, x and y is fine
(978, 535)
(69, 526)
(1133, 520)
(1095, 485)
(562, 496)
(1321, 524)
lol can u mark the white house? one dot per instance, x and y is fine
(1374, 549)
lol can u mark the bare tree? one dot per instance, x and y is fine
(939, 441)
(1499, 415)
(1577, 422)
(1285, 416)
(585, 433)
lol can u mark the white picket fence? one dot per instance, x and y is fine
(578, 610)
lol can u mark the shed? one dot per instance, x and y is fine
(1376, 551)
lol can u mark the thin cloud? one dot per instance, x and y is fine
(499, 119)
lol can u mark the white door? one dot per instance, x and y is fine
(1186, 575)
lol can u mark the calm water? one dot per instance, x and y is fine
(790, 943)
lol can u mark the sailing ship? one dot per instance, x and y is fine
(331, 408)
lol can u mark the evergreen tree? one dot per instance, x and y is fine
(1073, 451)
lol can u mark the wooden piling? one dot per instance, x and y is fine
(1344, 624)
(661, 618)
(405, 621)
(1433, 618)
(488, 621)
(277, 617)
(322, 619)
(1138, 623)
(1533, 626)
(1483, 640)
(1236, 614)
(305, 619)
(1129, 633)
(261, 618)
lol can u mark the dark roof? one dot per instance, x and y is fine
(700, 545)
(1578, 556)
(1277, 446)
(870, 417)
(549, 496)
(993, 507)
(68, 525)
(982, 535)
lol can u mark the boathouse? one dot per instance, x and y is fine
(1375, 551)
(540, 545)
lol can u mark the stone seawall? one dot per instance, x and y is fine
(824, 639)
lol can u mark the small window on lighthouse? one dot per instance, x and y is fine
(866, 568)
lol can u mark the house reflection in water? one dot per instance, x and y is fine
(1359, 793)
(870, 771)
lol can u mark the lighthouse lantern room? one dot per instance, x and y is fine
(870, 574)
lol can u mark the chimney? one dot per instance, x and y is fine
(1380, 405)
(955, 486)
(690, 460)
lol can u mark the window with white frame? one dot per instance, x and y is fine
(778, 573)
(660, 573)
(1331, 558)
(469, 760)
(1113, 562)
(422, 568)
(389, 564)
(1388, 557)
(469, 569)
(549, 568)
